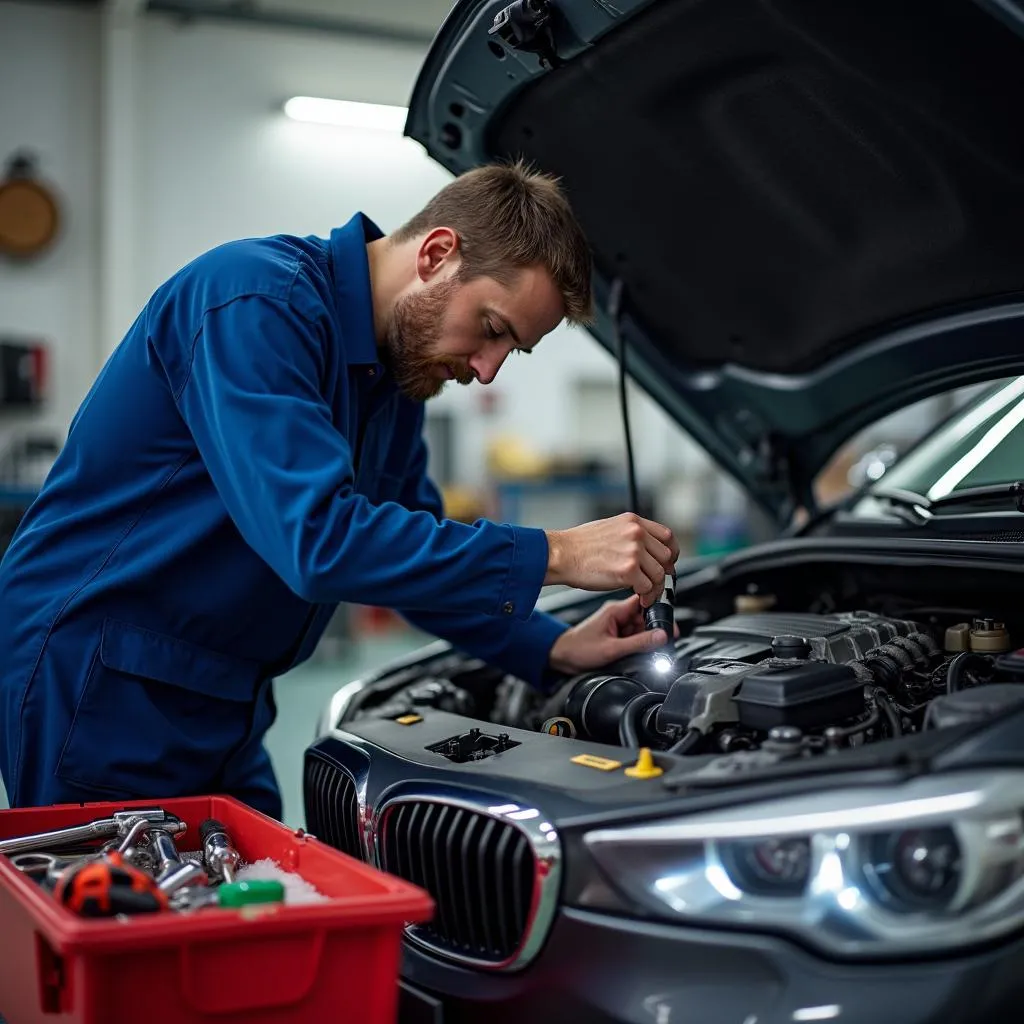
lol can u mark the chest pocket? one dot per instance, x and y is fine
(157, 716)
(383, 458)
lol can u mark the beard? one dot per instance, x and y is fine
(412, 339)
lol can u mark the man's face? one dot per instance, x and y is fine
(449, 329)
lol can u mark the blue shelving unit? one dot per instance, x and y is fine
(513, 495)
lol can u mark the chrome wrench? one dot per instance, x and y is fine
(120, 823)
(172, 873)
(221, 857)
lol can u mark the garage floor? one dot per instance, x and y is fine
(300, 696)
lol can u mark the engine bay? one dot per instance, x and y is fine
(790, 683)
(768, 672)
(795, 670)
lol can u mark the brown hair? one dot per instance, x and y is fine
(509, 216)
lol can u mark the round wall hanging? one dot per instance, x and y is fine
(29, 214)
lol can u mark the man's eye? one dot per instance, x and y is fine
(492, 331)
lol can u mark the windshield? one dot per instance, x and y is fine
(983, 444)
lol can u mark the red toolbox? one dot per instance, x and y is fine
(318, 962)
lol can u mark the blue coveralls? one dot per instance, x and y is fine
(242, 464)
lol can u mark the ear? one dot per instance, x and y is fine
(439, 249)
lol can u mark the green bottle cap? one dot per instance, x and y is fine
(244, 894)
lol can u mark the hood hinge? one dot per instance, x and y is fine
(774, 470)
(526, 25)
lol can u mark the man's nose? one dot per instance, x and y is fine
(486, 363)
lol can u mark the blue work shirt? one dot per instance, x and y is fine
(242, 464)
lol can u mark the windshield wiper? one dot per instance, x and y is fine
(987, 496)
(920, 508)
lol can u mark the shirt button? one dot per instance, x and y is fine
(508, 607)
(371, 372)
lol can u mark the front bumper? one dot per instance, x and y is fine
(601, 969)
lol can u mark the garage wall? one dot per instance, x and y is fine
(219, 160)
(169, 138)
(49, 81)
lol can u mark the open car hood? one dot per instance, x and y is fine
(815, 208)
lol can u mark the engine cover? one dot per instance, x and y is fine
(755, 671)
(806, 694)
(841, 638)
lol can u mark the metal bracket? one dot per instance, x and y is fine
(526, 26)
(1017, 490)
(775, 469)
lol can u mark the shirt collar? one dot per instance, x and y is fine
(353, 296)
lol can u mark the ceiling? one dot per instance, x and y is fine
(414, 21)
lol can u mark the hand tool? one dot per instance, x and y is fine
(171, 872)
(230, 895)
(221, 857)
(662, 615)
(107, 886)
(47, 868)
(132, 837)
(118, 824)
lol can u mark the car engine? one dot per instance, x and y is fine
(795, 684)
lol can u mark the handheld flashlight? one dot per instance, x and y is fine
(661, 615)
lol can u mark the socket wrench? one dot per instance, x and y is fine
(120, 823)
(221, 857)
(172, 873)
(48, 867)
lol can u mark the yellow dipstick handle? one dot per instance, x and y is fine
(645, 768)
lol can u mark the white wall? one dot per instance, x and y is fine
(49, 84)
(220, 160)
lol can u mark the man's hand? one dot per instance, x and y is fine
(624, 551)
(613, 631)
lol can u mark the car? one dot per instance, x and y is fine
(805, 217)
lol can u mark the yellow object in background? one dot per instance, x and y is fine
(464, 504)
(511, 458)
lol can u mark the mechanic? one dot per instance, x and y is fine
(251, 456)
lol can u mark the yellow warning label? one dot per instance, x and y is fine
(409, 719)
(603, 764)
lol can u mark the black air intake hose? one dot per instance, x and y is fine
(632, 716)
(597, 703)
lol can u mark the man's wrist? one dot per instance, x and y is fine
(557, 664)
(556, 558)
(557, 661)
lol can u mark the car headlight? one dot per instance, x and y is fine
(933, 864)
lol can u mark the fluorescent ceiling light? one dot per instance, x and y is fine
(346, 113)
